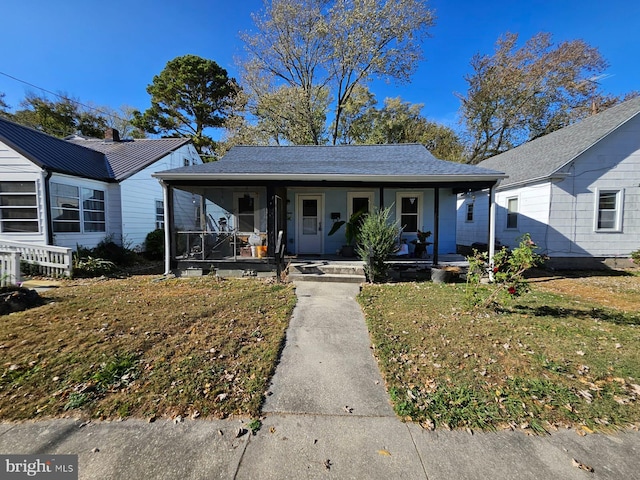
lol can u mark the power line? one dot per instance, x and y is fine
(65, 98)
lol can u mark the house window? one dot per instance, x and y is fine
(410, 208)
(469, 212)
(93, 210)
(512, 213)
(18, 207)
(185, 162)
(608, 210)
(246, 210)
(159, 214)
(76, 209)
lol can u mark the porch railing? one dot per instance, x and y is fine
(45, 260)
(9, 268)
(205, 245)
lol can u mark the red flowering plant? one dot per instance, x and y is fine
(504, 276)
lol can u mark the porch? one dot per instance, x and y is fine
(321, 268)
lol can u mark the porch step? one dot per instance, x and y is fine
(321, 271)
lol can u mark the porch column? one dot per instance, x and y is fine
(271, 221)
(436, 223)
(492, 230)
(167, 195)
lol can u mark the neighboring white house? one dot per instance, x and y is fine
(80, 191)
(576, 191)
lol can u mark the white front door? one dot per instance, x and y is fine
(309, 224)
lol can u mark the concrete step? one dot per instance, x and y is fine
(324, 277)
(322, 271)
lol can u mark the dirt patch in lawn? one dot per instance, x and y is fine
(619, 289)
(144, 347)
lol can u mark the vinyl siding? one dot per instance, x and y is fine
(140, 192)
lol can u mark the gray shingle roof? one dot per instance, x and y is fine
(87, 158)
(127, 157)
(544, 156)
(333, 161)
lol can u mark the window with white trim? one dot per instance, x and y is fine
(608, 210)
(246, 212)
(159, 214)
(77, 209)
(409, 211)
(18, 207)
(512, 213)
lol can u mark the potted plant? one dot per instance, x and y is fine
(421, 243)
(351, 233)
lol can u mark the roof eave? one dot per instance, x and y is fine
(528, 181)
(451, 178)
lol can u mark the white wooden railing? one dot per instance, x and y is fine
(47, 260)
(9, 268)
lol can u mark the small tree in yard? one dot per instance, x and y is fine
(507, 273)
(378, 239)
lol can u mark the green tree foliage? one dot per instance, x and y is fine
(522, 92)
(402, 122)
(3, 105)
(59, 118)
(323, 50)
(188, 96)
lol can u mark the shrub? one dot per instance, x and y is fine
(378, 239)
(635, 256)
(154, 245)
(92, 267)
(506, 270)
(109, 250)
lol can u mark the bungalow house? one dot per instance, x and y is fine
(576, 191)
(287, 198)
(79, 191)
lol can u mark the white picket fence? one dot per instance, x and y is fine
(9, 268)
(46, 260)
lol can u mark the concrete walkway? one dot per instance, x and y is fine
(328, 417)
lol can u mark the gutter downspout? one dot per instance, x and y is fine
(47, 203)
(167, 227)
(492, 230)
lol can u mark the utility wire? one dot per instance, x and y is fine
(64, 98)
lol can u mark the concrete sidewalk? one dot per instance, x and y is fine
(328, 417)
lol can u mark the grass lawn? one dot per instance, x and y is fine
(555, 357)
(142, 347)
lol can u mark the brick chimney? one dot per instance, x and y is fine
(111, 135)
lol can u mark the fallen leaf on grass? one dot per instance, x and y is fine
(581, 465)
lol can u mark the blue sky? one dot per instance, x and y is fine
(106, 53)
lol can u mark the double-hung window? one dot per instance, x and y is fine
(246, 212)
(159, 214)
(469, 212)
(18, 207)
(77, 209)
(409, 206)
(512, 213)
(608, 215)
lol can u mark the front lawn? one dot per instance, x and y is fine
(545, 361)
(145, 348)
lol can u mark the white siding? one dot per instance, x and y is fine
(614, 163)
(533, 215)
(15, 167)
(477, 230)
(140, 192)
(560, 215)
